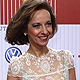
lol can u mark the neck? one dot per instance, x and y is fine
(38, 51)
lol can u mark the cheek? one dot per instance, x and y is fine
(33, 32)
(50, 30)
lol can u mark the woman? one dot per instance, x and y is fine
(35, 24)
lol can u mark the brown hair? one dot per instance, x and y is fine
(19, 22)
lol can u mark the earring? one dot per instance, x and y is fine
(25, 34)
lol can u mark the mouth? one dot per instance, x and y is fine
(43, 38)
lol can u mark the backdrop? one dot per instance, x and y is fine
(67, 13)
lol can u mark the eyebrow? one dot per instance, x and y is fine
(49, 21)
(39, 22)
(35, 23)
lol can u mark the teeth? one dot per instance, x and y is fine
(43, 37)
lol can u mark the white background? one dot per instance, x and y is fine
(67, 37)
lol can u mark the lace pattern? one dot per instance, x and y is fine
(52, 66)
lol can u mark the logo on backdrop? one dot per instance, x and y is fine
(3, 27)
(12, 51)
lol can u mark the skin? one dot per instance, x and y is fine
(39, 33)
(36, 35)
(72, 75)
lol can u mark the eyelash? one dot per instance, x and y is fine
(35, 25)
(49, 23)
(38, 25)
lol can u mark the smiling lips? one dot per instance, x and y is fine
(44, 38)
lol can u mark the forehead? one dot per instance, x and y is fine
(39, 14)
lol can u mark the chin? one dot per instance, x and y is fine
(43, 44)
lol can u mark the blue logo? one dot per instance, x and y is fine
(12, 51)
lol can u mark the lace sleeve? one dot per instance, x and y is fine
(15, 67)
(68, 59)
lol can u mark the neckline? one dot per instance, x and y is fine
(40, 56)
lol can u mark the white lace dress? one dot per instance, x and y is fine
(53, 66)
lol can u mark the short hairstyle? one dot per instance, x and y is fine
(19, 22)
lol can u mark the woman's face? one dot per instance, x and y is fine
(40, 28)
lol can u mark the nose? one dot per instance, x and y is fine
(44, 30)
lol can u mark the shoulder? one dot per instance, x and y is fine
(15, 66)
(62, 51)
(17, 59)
(65, 54)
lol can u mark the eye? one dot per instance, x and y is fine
(49, 23)
(36, 25)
